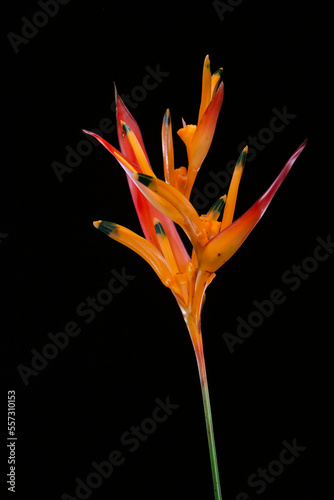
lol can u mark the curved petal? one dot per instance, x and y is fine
(202, 138)
(124, 115)
(140, 155)
(206, 88)
(165, 247)
(215, 79)
(145, 210)
(171, 202)
(143, 183)
(167, 148)
(233, 190)
(143, 248)
(132, 167)
(227, 242)
(203, 135)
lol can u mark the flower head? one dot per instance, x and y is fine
(214, 236)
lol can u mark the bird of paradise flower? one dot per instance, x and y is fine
(160, 204)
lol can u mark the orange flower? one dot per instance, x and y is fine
(160, 204)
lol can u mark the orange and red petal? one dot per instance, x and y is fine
(146, 211)
(201, 141)
(124, 115)
(132, 167)
(227, 242)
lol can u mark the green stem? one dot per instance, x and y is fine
(196, 336)
(209, 426)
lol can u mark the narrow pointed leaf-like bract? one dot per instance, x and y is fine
(186, 216)
(145, 210)
(142, 247)
(227, 242)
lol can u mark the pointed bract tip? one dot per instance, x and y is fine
(242, 158)
(118, 100)
(167, 117)
(218, 72)
(301, 147)
(217, 207)
(105, 226)
(97, 223)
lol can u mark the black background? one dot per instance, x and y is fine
(276, 385)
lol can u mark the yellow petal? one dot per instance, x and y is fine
(167, 148)
(165, 246)
(215, 79)
(137, 149)
(143, 248)
(206, 88)
(233, 190)
(142, 182)
(190, 220)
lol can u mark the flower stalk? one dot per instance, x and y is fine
(160, 204)
(196, 334)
